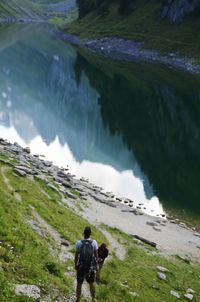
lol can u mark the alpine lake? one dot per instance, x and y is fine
(131, 128)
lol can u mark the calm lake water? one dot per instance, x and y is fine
(132, 128)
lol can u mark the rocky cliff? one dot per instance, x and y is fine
(176, 10)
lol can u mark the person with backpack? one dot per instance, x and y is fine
(102, 255)
(86, 263)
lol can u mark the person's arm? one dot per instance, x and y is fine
(96, 255)
(97, 259)
(76, 260)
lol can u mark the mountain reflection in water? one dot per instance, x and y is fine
(126, 127)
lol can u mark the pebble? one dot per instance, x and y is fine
(157, 229)
(162, 276)
(196, 234)
(186, 260)
(70, 195)
(27, 150)
(182, 224)
(20, 172)
(175, 294)
(189, 297)
(151, 223)
(162, 269)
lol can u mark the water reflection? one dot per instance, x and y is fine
(49, 105)
(156, 111)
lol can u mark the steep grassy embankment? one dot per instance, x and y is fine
(141, 21)
(20, 9)
(29, 9)
(33, 221)
(58, 11)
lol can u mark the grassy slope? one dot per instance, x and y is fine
(20, 9)
(143, 24)
(31, 262)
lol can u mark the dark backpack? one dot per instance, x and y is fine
(103, 252)
(86, 254)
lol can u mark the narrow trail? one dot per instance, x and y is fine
(62, 245)
(6, 181)
(115, 246)
(43, 228)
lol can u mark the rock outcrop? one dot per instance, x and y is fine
(176, 10)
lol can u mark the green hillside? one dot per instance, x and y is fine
(38, 229)
(20, 8)
(58, 11)
(140, 20)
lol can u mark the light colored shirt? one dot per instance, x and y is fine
(79, 243)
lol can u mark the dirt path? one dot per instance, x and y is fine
(6, 181)
(115, 246)
(62, 245)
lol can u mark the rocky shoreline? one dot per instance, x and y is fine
(60, 179)
(119, 49)
(127, 50)
(171, 236)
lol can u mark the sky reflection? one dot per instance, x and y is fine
(123, 184)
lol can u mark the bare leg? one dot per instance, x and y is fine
(98, 276)
(78, 291)
(98, 273)
(92, 291)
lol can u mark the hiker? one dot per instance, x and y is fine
(86, 263)
(102, 255)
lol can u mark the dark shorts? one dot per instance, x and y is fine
(82, 274)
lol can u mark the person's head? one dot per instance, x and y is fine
(103, 245)
(87, 232)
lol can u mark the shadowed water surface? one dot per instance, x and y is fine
(131, 128)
